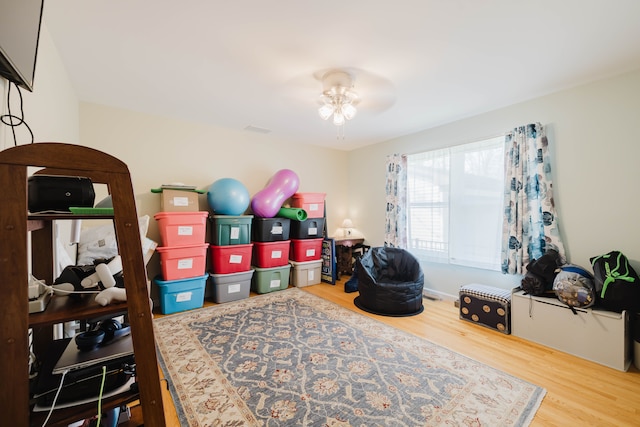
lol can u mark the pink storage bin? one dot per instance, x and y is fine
(182, 228)
(182, 262)
(312, 203)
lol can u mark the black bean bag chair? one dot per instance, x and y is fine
(390, 282)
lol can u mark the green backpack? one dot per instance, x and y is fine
(617, 283)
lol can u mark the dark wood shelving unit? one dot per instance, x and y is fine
(18, 227)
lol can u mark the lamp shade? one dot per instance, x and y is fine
(349, 111)
(325, 111)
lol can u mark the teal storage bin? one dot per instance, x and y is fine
(230, 230)
(182, 294)
(266, 280)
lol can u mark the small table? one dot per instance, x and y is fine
(344, 254)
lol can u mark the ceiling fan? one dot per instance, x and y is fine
(369, 93)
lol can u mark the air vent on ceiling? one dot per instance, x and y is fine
(257, 129)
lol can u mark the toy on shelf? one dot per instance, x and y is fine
(267, 202)
(100, 279)
(104, 274)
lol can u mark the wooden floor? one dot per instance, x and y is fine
(579, 392)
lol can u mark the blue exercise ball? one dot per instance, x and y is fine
(228, 196)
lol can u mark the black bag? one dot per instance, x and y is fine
(617, 283)
(541, 273)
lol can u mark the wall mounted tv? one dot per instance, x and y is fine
(20, 22)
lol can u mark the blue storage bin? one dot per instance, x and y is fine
(182, 294)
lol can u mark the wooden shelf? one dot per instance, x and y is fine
(66, 416)
(67, 308)
(64, 216)
(19, 228)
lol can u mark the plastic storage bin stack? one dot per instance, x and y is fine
(305, 253)
(183, 255)
(231, 251)
(270, 259)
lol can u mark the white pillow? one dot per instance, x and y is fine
(100, 242)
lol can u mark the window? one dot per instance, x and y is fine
(455, 199)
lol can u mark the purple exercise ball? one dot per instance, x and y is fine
(267, 202)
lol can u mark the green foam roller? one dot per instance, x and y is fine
(293, 213)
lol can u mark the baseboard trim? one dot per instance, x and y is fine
(437, 295)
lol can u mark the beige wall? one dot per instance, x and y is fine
(159, 150)
(595, 149)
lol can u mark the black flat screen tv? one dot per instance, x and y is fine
(20, 22)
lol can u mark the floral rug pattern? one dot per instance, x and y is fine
(289, 358)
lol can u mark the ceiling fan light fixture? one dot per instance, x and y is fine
(349, 111)
(338, 97)
(326, 111)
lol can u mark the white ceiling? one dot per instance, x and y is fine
(417, 63)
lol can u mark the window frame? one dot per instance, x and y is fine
(443, 244)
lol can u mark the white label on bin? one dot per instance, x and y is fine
(184, 264)
(235, 233)
(234, 289)
(275, 283)
(276, 254)
(235, 259)
(180, 201)
(276, 229)
(313, 207)
(313, 231)
(185, 230)
(310, 275)
(183, 296)
(311, 252)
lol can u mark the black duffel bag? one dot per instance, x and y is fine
(617, 283)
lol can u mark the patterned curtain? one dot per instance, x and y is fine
(396, 196)
(530, 224)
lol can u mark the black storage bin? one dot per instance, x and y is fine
(311, 228)
(270, 229)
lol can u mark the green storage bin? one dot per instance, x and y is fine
(266, 280)
(231, 230)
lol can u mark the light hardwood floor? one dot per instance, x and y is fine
(579, 392)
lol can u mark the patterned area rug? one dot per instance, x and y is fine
(289, 358)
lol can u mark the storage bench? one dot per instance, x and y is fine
(593, 334)
(487, 306)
